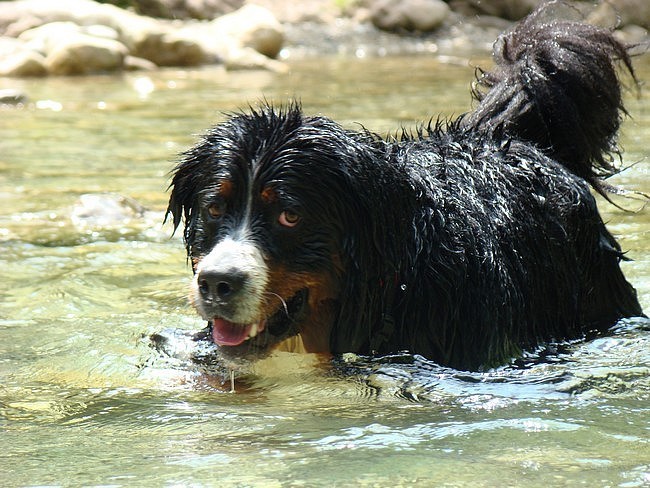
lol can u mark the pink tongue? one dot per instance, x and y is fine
(226, 333)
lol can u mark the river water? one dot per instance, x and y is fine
(86, 401)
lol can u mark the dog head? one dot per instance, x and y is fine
(274, 228)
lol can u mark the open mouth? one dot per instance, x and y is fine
(263, 334)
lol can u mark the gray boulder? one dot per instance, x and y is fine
(82, 54)
(245, 39)
(622, 13)
(165, 47)
(102, 35)
(23, 63)
(506, 9)
(252, 26)
(409, 15)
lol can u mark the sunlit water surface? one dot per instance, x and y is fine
(85, 400)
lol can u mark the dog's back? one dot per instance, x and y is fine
(520, 254)
(556, 85)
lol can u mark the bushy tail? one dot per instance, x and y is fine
(555, 84)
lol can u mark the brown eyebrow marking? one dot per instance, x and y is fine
(269, 195)
(225, 188)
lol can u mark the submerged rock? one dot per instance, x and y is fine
(12, 97)
(105, 210)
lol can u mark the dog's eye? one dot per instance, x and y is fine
(215, 210)
(288, 218)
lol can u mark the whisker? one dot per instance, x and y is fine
(232, 381)
(282, 300)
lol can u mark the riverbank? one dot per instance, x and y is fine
(77, 37)
(467, 27)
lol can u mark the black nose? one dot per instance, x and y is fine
(220, 286)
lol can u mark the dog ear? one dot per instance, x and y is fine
(363, 300)
(186, 178)
(373, 254)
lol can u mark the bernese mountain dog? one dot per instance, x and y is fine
(466, 241)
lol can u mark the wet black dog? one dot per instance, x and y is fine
(467, 242)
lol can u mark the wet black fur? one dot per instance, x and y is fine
(466, 242)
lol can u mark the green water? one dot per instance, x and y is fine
(85, 401)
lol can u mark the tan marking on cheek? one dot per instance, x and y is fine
(315, 329)
(292, 344)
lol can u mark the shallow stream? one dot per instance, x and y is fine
(85, 400)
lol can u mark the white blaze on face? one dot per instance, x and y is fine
(243, 257)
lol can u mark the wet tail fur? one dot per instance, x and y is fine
(556, 84)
